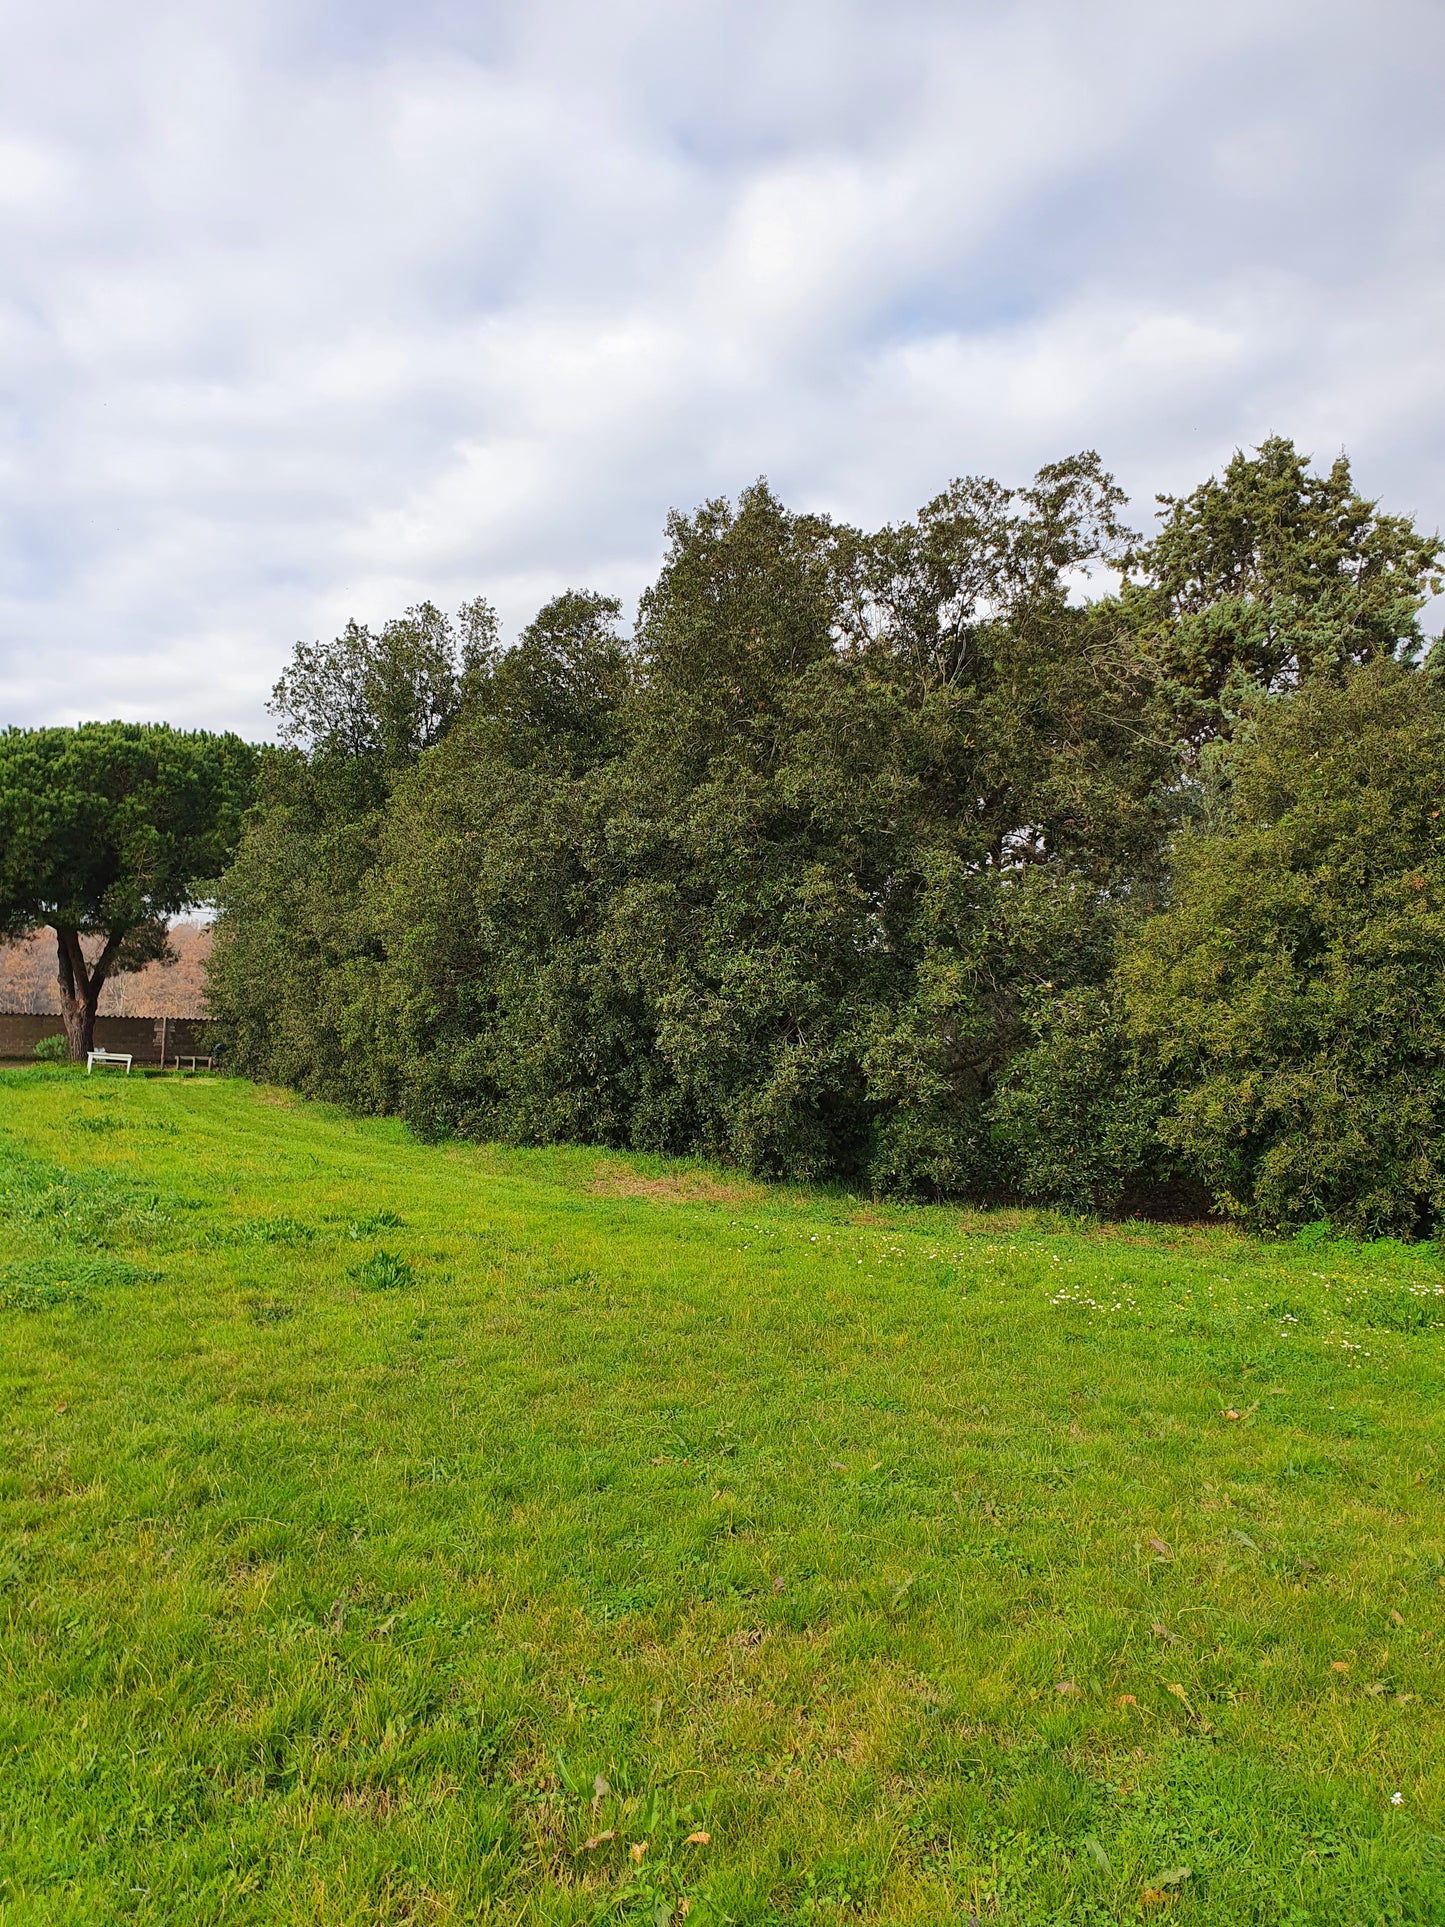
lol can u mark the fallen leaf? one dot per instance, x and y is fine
(779, 1585)
(1126, 1699)
(596, 1839)
(61, 1408)
(1067, 1688)
(1403, 1699)
(699, 1839)
(1377, 1690)
(837, 1465)
(1243, 1539)
(1153, 1897)
(637, 1849)
(747, 1636)
(1231, 1413)
(1339, 1666)
(1163, 1632)
(1158, 1545)
(1097, 1854)
(662, 1459)
(1396, 1619)
(600, 1788)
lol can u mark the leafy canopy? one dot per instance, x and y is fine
(1269, 575)
(829, 869)
(113, 826)
(370, 702)
(295, 947)
(1294, 992)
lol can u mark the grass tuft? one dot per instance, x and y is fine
(383, 1271)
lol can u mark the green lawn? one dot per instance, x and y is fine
(396, 1533)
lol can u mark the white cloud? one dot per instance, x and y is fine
(312, 311)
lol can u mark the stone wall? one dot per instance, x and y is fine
(141, 1036)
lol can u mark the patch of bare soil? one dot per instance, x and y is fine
(686, 1187)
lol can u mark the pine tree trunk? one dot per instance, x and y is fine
(72, 992)
(80, 988)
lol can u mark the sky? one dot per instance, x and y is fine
(310, 311)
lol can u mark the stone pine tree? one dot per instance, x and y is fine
(107, 831)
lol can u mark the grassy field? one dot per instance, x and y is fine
(396, 1533)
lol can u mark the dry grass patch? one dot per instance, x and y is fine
(683, 1187)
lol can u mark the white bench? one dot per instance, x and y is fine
(104, 1057)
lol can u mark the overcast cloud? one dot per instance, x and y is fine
(309, 310)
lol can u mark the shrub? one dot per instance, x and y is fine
(1295, 990)
(52, 1050)
(1077, 1118)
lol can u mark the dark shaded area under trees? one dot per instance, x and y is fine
(888, 858)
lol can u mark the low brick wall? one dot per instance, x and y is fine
(143, 1037)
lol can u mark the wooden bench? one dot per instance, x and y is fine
(104, 1057)
(201, 1062)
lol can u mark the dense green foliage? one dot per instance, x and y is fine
(1294, 992)
(1271, 577)
(828, 869)
(301, 949)
(108, 830)
(395, 1534)
(1079, 1111)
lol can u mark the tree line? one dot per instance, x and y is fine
(999, 853)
